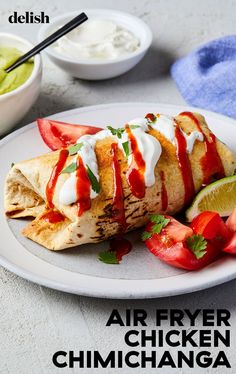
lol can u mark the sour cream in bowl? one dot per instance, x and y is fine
(99, 39)
(107, 45)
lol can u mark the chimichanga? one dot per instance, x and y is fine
(113, 180)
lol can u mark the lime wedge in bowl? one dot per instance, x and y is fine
(219, 196)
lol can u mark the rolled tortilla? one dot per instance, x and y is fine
(26, 184)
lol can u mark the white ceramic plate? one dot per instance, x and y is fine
(77, 270)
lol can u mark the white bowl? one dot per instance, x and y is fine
(100, 69)
(15, 104)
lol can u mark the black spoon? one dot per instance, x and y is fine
(49, 40)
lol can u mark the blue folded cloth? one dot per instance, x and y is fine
(207, 77)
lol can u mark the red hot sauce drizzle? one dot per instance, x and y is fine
(118, 198)
(185, 165)
(151, 117)
(164, 196)
(82, 187)
(135, 174)
(51, 185)
(53, 216)
(119, 244)
(211, 162)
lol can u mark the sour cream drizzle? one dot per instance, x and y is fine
(211, 162)
(148, 146)
(184, 143)
(68, 193)
(144, 151)
(167, 127)
(135, 173)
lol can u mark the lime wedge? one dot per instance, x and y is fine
(219, 196)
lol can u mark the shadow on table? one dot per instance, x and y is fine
(154, 65)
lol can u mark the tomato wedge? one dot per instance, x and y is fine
(174, 232)
(211, 226)
(59, 135)
(230, 246)
(231, 221)
(178, 255)
(171, 246)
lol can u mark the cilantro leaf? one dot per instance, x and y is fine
(112, 130)
(156, 229)
(70, 168)
(133, 127)
(197, 244)
(75, 148)
(94, 182)
(146, 235)
(108, 257)
(125, 146)
(160, 222)
(120, 132)
(117, 132)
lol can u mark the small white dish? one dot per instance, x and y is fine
(100, 69)
(15, 104)
(77, 270)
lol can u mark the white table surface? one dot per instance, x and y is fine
(36, 321)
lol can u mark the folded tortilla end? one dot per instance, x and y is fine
(21, 199)
(48, 234)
